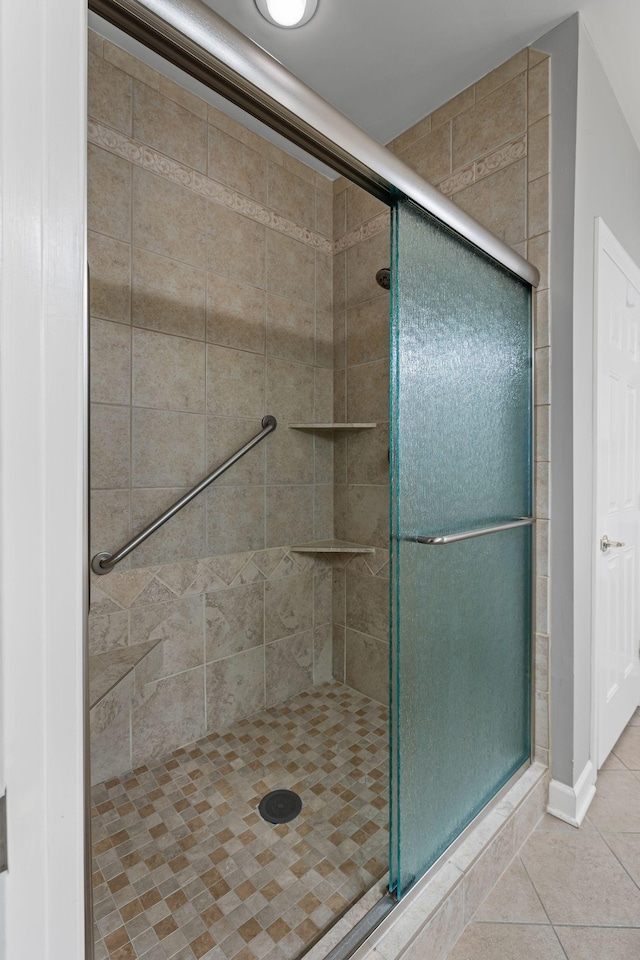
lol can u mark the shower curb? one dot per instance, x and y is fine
(432, 916)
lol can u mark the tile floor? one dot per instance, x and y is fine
(572, 894)
(185, 867)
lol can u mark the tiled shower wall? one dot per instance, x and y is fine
(229, 281)
(211, 305)
(487, 149)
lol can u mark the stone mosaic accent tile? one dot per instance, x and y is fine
(185, 867)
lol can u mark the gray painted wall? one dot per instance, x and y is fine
(595, 173)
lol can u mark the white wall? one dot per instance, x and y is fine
(595, 173)
(607, 186)
(42, 415)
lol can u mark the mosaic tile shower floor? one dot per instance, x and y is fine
(184, 866)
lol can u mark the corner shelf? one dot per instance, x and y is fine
(332, 426)
(332, 546)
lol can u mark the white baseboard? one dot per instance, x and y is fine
(571, 803)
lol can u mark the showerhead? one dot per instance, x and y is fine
(383, 277)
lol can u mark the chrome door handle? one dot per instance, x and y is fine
(605, 543)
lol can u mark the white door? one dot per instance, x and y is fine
(617, 567)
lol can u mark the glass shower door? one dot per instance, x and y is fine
(461, 412)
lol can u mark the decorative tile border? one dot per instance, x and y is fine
(369, 229)
(143, 156)
(141, 586)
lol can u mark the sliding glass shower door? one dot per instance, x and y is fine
(461, 542)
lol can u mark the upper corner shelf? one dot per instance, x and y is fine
(332, 426)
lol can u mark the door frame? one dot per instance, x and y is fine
(42, 475)
(605, 244)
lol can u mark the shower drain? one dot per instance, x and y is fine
(280, 806)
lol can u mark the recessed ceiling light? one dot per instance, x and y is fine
(287, 13)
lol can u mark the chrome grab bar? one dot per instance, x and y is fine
(105, 562)
(441, 541)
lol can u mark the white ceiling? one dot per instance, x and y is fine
(388, 64)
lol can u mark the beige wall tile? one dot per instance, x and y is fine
(110, 735)
(542, 361)
(322, 596)
(368, 331)
(499, 202)
(182, 536)
(290, 329)
(168, 219)
(431, 156)
(289, 515)
(168, 127)
(235, 520)
(109, 194)
(235, 314)
(234, 620)
(167, 295)
(538, 91)
(538, 254)
(542, 490)
(538, 149)
(367, 665)
(323, 525)
(110, 278)
(288, 605)
(324, 212)
(168, 372)
(289, 667)
(95, 42)
(338, 658)
(363, 262)
(110, 362)
(235, 688)
(167, 714)
(322, 654)
(324, 339)
(324, 281)
(368, 392)
(110, 521)
(289, 456)
(368, 514)
(494, 120)
(542, 548)
(290, 268)
(185, 98)
(368, 455)
(322, 395)
(110, 445)
(180, 626)
(339, 577)
(225, 435)
(415, 132)
(324, 447)
(361, 206)
(340, 214)
(502, 74)
(542, 318)
(109, 91)
(235, 246)
(235, 383)
(108, 632)
(536, 56)
(290, 391)
(542, 433)
(131, 65)
(538, 206)
(340, 396)
(340, 281)
(237, 165)
(168, 448)
(367, 605)
(290, 195)
(340, 511)
(453, 107)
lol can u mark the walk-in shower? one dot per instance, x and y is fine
(240, 640)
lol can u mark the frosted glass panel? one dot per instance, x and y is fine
(461, 460)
